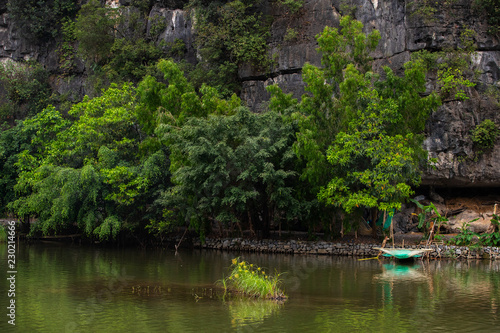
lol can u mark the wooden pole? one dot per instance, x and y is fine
(383, 245)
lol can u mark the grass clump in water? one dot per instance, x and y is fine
(253, 281)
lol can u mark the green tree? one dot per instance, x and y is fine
(232, 170)
(95, 30)
(376, 161)
(324, 112)
(86, 172)
(13, 141)
(359, 135)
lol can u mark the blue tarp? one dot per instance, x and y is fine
(388, 220)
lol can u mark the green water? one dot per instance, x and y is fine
(63, 288)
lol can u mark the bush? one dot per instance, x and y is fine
(491, 9)
(228, 35)
(293, 5)
(485, 134)
(94, 30)
(25, 92)
(40, 20)
(466, 236)
(493, 238)
(253, 281)
(112, 41)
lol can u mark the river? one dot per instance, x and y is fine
(69, 288)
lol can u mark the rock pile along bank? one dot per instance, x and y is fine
(340, 249)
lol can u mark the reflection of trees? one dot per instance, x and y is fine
(247, 311)
(388, 319)
(56, 286)
(441, 293)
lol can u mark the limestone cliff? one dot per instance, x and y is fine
(403, 32)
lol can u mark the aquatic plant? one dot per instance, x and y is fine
(252, 280)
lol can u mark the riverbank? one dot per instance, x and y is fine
(364, 250)
(359, 247)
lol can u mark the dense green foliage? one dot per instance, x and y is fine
(229, 34)
(491, 9)
(101, 172)
(485, 134)
(376, 160)
(233, 169)
(322, 113)
(24, 90)
(159, 149)
(79, 172)
(360, 135)
(112, 41)
(40, 20)
(13, 141)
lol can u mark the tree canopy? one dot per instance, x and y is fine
(164, 151)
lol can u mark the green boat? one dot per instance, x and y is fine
(402, 253)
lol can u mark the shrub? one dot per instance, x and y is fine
(253, 281)
(466, 236)
(94, 30)
(25, 90)
(485, 134)
(293, 5)
(228, 35)
(290, 35)
(493, 238)
(491, 9)
(40, 20)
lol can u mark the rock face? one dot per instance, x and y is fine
(403, 32)
(448, 129)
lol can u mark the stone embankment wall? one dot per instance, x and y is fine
(340, 249)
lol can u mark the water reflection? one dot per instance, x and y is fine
(400, 272)
(251, 311)
(77, 289)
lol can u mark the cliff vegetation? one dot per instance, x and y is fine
(135, 126)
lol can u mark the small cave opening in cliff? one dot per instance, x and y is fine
(479, 199)
(470, 205)
(463, 207)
